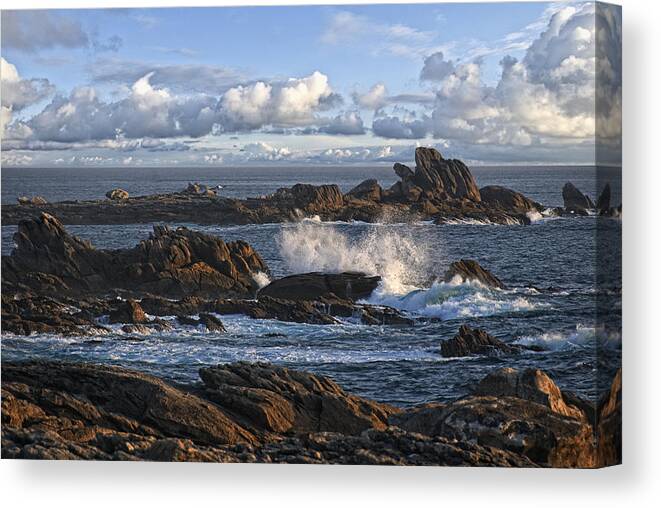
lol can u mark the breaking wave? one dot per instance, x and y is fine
(583, 336)
(456, 299)
(399, 259)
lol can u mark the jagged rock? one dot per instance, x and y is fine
(212, 323)
(311, 198)
(507, 199)
(402, 171)
(35, 314)
(117, 194)
(470, 270)
(369, 190)
(511, 423)
(574, 199)
(530, 384)
(128, 311)
(35, 200)
(76, 402)
(172, 263)
(444, 176)
(139, 329)
(277, 399)
(198, 189)
(469, 341)
(604, 200)
(316, 285)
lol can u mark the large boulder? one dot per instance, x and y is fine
(526, 425)
(172, 263)
(443, 177)
(574, 199)
(472, 341)
(128, 311)
(470, 270)
(529, 384)
(315, 285)
(82, 401)
(507, 199)
(369, 190)
(117, 194)
(276, 399)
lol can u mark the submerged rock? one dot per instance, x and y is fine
(470, 270)
(316, 285)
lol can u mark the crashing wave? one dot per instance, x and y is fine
(583, 336)
(398, 258)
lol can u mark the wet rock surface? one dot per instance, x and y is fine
(471, 341)
(315, 285)
(170, 262)
(261, 413)
(470, 270)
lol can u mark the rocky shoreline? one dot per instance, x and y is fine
(438, 189)
(262, 413)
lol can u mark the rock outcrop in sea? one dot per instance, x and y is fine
(438, 189)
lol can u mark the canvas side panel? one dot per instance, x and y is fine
(608, 155)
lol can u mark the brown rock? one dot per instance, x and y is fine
(128, 311)
(369, 190)
(470, 270)
(117, 194)
(117, 399)
(507, 199)
(277, 399)
(172, 263)
(470, 342)
(443, 176)
(530, 384)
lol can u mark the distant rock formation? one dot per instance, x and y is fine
(604, 200)
(35, 200)
(574, 199)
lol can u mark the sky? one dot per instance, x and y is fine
(497, 83)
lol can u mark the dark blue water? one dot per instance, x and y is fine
(564, 260)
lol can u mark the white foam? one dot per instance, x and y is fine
(456, 299)
(399, 259)
(534, 216)
(261, 278)
(583, 336)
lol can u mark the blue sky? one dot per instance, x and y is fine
(491, 83)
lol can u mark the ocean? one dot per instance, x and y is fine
(563, 278)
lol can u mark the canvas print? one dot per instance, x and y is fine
(356, 234)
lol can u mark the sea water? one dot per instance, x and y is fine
(550, 267)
